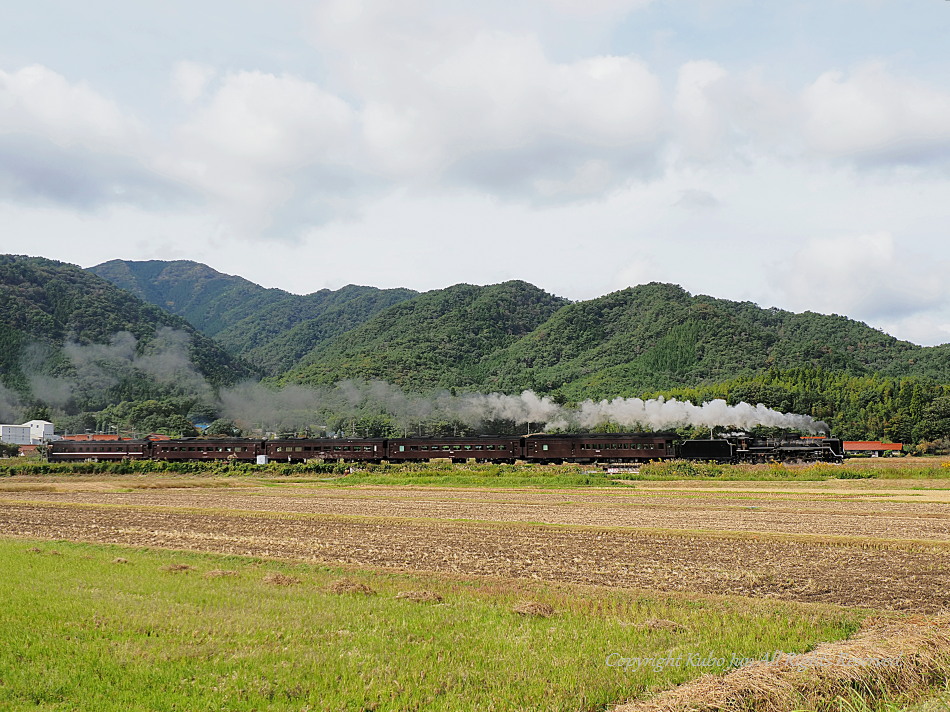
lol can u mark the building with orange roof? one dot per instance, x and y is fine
(875, 447)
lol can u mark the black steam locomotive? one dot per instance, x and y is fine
(588, 449)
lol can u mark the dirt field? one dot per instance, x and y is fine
(894, 514)
(849, 544)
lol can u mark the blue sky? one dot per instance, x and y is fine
(795, 155)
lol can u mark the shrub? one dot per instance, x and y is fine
(680, 469)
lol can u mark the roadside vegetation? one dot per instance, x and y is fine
(518, 475)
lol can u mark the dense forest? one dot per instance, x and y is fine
(180, 345)
(907, 410)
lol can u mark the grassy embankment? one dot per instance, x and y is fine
(519, 475)
(89, 627)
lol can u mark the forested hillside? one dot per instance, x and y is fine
(907, 410)
(645, 339)
(60, 325)
(269, 328)
(75, 342)
(658, 336)
(441, 338)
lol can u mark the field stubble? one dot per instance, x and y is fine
(839, 546)
(856, 543)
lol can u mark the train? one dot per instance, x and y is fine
(587, 449)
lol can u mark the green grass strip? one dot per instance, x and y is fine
(105, 628)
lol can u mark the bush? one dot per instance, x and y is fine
(933, 447)
(680, 469)
(854, 475)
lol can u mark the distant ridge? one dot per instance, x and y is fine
(646, 338)
(271, 328)
(658, 336)
(514, 335)
(445, 337)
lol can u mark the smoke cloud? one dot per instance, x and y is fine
(252, 405)
(526, 408)
(95, 368)
(11, 409)
(167, 358)
(295, 407)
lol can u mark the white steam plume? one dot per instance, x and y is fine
(252, 403)
(526, 408)
(660, 414)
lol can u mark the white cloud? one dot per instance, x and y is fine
(871, 117)
(63, 142)
(499, 114)
(515, 124)
(701, 123)
(38, 101)
(725, 117)
(190, 79)
(875, 116)
(865, 277)
(271, 121)
(451, 100)
(261, 142)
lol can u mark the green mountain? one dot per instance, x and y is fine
(648, 340)
(658, 336)
(441, 338)
(70, 338)
(653, 337)
(270, 328)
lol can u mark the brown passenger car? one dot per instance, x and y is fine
(599, 447)
(81, 450)
(327, 449)
(207, 449)
(480, 449)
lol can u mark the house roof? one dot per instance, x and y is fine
(870, 445)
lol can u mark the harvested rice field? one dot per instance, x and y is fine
(876, 551)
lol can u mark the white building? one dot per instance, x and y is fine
(41, 431)
(15, 434)
(31, 433)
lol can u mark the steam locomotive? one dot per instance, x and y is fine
(588, 449)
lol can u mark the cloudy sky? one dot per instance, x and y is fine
(792, 154)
